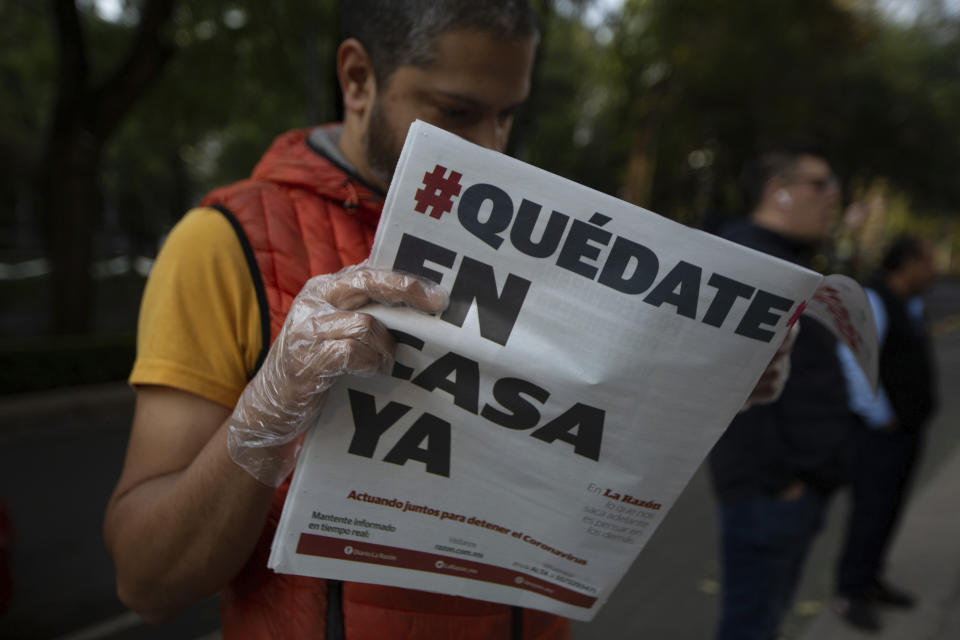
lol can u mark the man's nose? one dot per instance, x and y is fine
(490, 133)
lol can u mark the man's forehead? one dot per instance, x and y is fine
(812, 163)
(475, 66)
(480, 51)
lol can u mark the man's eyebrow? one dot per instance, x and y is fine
(473, 102)
(458, 97)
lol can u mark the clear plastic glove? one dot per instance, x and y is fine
(774, 377)
(322, 339)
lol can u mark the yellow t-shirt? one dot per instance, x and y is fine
(199, 328)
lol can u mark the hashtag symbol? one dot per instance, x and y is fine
(438, 191)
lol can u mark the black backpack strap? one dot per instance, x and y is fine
(517, 623)
(262, 303)
(335, 610)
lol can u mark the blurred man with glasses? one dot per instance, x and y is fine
(777, 464)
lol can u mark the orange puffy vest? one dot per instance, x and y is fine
(300, 215)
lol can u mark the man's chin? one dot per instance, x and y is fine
(380, 168)
(381, 179)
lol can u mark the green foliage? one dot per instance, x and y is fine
(721, 79)
(684, 89)
(26, 87)
(703, 76)
(244, 71)
(569, 97)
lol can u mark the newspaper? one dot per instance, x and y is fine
(533, 436)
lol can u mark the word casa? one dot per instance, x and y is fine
(516, 405)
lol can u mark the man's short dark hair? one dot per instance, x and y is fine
(404, 32)
(773, 161)
(902, 249)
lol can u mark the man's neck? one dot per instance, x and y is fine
(899, 285)
(351, 145)
(771, 222)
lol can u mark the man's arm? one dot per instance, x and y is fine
(198, 478)
(184, 517)
(770, 385)
(873, 408)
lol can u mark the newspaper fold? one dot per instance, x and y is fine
(532, 437)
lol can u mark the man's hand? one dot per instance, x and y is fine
(322, 339)
(771, 382)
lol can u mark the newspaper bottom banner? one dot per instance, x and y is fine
(338, 549)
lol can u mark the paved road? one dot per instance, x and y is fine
(60, 455)
(925, 560)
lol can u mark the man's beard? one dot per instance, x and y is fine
(382, 146)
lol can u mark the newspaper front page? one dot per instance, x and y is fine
(533, 436)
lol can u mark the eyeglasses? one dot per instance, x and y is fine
(822, 184)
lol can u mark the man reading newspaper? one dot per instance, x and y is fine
(250, 317)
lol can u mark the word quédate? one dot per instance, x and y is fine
(585, 248)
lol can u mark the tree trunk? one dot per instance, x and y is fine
(70, 197)
(642, 164)
(524, 122)
(84, 117)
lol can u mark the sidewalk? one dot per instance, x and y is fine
(23, 412)
(924, 560)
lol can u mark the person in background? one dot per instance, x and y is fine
(777, 463)
(888, 440)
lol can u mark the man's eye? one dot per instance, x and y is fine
(455, 113)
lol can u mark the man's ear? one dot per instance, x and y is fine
(783, 198)
(774, 192)
(357, 80)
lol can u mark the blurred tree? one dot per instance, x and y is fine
(565, 81)
(705, 81)
(899, 106)
(698, 85)
(244, 72)
(26, 55)
(660, 103)
(86, 112)
(235, 73)
(564, 127)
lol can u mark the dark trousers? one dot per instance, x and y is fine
(882, 468)
(764, 542)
